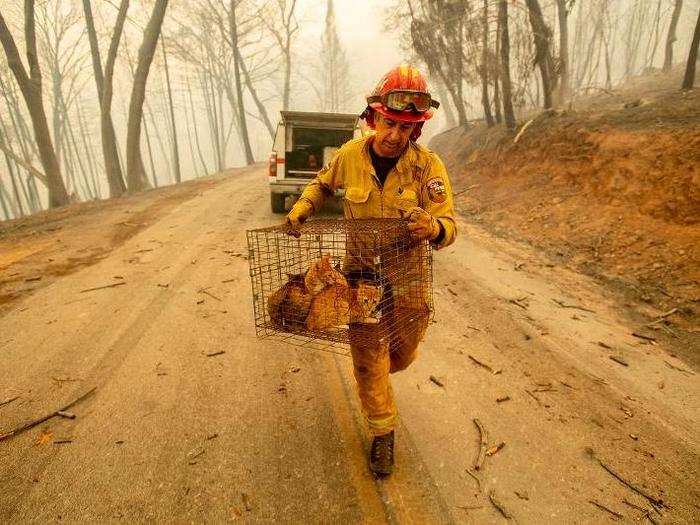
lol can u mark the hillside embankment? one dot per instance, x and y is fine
(611, 188)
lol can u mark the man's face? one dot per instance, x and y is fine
(391, 136)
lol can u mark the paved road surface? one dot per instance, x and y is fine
(265, 432)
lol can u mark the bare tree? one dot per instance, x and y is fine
(205, 168)
(104, 82)
(543, 57)
(637, 23)
(450, 120)
(62, 52)
(23, 137)
(135, 171)
(31, 88)
(334, 66)
(283, 30)
(496, 74)
(484, 70)
(176, 150)
(242, 122)
(563, 7)
(508, 114)
(653, 42)
(437, 37)
(671, 36)
(689, 78)
(215, 58)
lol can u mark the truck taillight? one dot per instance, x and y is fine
(272, 168)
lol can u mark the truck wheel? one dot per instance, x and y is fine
(277, 202)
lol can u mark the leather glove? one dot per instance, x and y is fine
(301, 211)
(422, 225)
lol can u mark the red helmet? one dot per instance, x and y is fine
(402, 94)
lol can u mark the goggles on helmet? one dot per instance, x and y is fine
(405, 100)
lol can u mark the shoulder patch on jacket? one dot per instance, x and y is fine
(436, 190)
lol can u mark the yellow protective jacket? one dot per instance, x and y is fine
(418, 179)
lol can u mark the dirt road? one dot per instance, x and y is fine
(193, 418)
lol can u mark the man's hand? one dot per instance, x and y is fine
(422, 225)
(301, 211)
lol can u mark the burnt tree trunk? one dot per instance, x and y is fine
(254, 95)
(671, 37)
(484, 67)
(210, 106)
(563, 13)
(240, 109)
(135, 172)
(18, 208)
(31, 88)
(543, 54)
(5, 211)
(150, 153)
(505, 65)
(497, 104)
(176, 149)
(196, 131)
(24, 141)
(103, 80)
(450, 120)
(689, 79)
(87, 147)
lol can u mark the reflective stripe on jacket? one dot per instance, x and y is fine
(419, 179)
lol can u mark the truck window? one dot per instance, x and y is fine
(311, 148)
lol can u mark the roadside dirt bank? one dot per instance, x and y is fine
(612, 190)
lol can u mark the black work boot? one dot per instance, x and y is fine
(381, 455)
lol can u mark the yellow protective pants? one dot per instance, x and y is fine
(372, 364)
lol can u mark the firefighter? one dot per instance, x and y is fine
(387, 174)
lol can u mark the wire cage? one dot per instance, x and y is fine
(341, 283)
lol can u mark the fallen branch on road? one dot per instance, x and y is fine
(494, 449)
(40, 420)
(573, 306)
(478, 481)
(519, 302)
(437, 381)
(533, 396)
(646, 513)
(674, 367)
(666, 314)
(644, 337)
(482, 444)
(656, 502)
(8, 401)
(483, 365)
(204, 291)
(619, 360)
(113, 285)
(499, 506)
(606, 509)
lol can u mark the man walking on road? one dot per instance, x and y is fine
(388, 175)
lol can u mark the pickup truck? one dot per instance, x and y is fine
(304, 143)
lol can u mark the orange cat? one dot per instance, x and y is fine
(339, 304)
(289, 306)
(321, 275)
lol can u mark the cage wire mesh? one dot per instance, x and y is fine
(340, 283)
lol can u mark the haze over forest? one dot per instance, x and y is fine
(311, 55)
